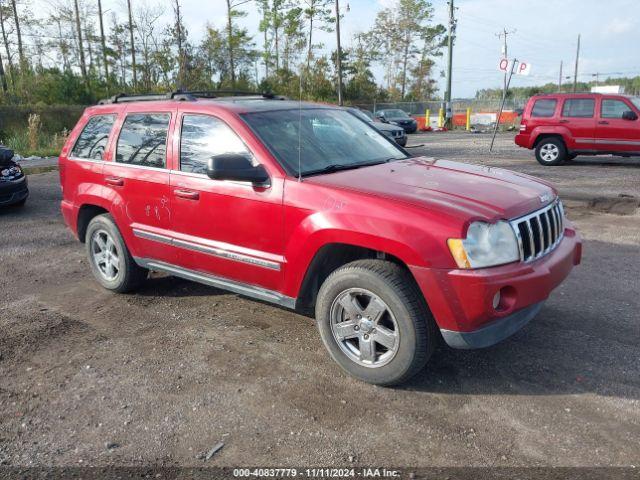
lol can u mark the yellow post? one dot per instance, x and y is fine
(468, 118)
(427, 118)
(441, 118)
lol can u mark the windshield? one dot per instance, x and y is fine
(395, 113)
(636, 101)
(321, 140)
(360, 114)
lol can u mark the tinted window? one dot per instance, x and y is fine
(143, 140)
(613, 108)
(578, 107)
(544, 108)
(93, 139)
(204, 137)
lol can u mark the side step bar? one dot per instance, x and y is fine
(219, 282)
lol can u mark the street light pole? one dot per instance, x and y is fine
(339, 53)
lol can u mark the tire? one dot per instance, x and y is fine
(122, 275)
(376, 284)
(551, 151)
(21, 203)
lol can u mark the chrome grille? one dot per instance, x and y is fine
(539, 232)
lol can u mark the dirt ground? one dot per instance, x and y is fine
(159, 377)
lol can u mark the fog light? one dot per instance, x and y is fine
(496, 300)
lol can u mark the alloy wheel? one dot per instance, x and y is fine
(364, 327)
(549, 152)
(105, 255)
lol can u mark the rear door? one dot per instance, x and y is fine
(137, 181)
(578, 115)
(613, 133)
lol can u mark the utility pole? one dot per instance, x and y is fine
(505, 52)
(339, 53)
(447, 96)
(575, 73)
(560, 78)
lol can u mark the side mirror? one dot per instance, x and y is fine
(382, 118)
(630, 115)
(231, 166)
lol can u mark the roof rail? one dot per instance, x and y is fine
(181, 95)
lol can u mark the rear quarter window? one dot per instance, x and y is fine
(544, 108)
(92, 142)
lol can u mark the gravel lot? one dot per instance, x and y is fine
(159, 377)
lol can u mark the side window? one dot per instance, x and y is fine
(143, 139)
(544, 108)
(93, 139)
(613, 108)
(578, 107)
(203, 137)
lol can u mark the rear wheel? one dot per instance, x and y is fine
(111, 263)
(551, 151)
(374, 322)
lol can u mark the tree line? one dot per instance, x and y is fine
(631, 86)
(78, 52)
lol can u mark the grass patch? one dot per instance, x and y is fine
(45, 145)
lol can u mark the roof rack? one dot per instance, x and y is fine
(181, 95)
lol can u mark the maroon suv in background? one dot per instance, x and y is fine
(561, 126)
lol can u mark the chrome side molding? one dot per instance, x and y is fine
(219, 282)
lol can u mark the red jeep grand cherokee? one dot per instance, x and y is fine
(562, 126)
(310, 208)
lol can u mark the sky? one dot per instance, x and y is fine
(545, 33)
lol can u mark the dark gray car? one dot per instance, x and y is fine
(398, 117)
(392, 131)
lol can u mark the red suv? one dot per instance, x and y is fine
(313, 209)
(561, 126)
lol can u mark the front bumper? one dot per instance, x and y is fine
(461, 301)
(14, 191)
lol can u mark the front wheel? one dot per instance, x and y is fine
(551, 151)
(375, 322)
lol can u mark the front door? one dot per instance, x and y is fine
(614, 133)
(578, 115)
(138, 182)
(227, 229)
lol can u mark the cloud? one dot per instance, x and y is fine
(618, 26)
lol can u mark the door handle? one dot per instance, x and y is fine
(188, 194)
(603, 122)
(115, 181)
(563, 121)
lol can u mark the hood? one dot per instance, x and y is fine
(401, 119)
(385, 127)
(472, 191)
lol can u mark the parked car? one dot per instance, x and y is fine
(562, 126)
(390, 252)
(14, 189)
(394, 132)
(399, 117)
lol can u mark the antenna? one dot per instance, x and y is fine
(300, 130)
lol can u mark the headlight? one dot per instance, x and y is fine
(486, 245)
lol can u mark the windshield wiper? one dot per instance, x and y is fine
(336, 167)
